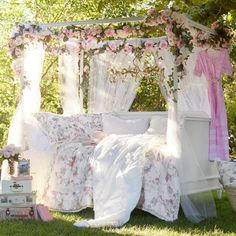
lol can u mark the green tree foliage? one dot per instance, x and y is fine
(43, 11)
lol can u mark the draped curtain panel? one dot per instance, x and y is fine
(28, 70)
(193, 90)
(107, 92)
(69, 78)
(196, 206)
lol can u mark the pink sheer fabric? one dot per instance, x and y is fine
(213, 64)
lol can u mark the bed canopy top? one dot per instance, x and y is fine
(81, 44)
(182, 35)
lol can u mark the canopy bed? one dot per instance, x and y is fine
(155, 160)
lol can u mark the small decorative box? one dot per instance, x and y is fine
(17, 186)
(18, 200)
(12, 213)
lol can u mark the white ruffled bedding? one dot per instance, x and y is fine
(122, 167)
(125, 172)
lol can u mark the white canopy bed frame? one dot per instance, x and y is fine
(188, 141)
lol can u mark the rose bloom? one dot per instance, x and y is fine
(112, 46)
(178, 60)
(163, 44)
(150, 11)
(127, 29)
(171, 41)
(149, 45)
(201, 35)
(122, 34)
(18, 41)
(215, 25)
(128, 48)
(96, 30)
(180, 43)
(109, 32)
(169, 28)
(18, 51)
(88, 31)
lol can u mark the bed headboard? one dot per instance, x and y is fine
(136, 115)
(196, 125)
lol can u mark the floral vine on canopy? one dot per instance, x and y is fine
(181, 38)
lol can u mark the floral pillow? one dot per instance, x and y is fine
(60, 128)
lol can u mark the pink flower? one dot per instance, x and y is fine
(112, 46)
(165, 15)
(96, 30)
(122, 34)
(69, 33)
(179, 60)
(18, 51)
(201, 35)
(180, 43)
(88, 31)
(127, 29)
(215, 25)
(171, 41)
(163, 44)
(169, 28)
(164, 19)
(18, 41)
(150, 11)
(109, 32)
(91, 37)
(128, 48)
(149, 45)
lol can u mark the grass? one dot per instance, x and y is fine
(141, 223)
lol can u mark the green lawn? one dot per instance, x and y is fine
(141, 223)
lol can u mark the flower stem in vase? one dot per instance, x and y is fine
(11, 167)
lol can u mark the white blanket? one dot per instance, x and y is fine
(118, 167)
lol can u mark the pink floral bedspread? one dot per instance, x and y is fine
(69, 185)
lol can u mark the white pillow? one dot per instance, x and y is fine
(115, 125)
(158, 125)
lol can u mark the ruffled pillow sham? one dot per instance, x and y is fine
(115, 125)
(60, 128)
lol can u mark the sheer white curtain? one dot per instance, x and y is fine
(69, 78)
(196, 200)
(193, 93)
(107, 93)
(29, 68)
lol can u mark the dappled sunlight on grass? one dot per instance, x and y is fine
(141, 223)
